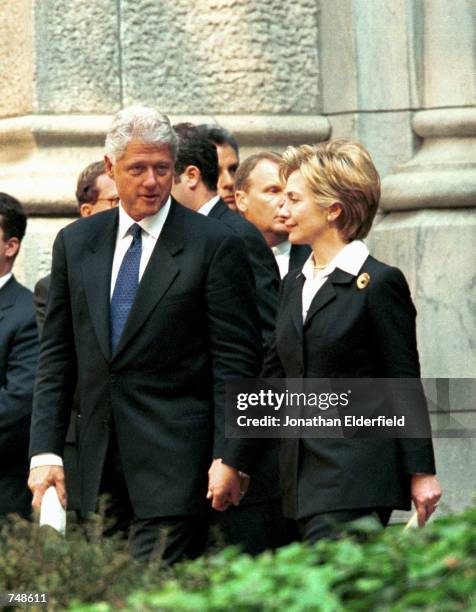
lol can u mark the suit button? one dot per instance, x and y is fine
(105, 423)
(112, 378)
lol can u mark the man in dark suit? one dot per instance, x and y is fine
(195, 187)
(228, 160)
(151, 310)
(18, 358)
(259, 196)
(257, 524)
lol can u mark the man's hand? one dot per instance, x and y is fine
(223, 485)
(43, 477)
(244, 483)
(426, 492)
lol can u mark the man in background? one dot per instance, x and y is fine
(257, 523)
(18, 358)
(195, 186)
(228, 160)
(259, 197)
(95, 192)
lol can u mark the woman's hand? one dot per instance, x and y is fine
(426, 493)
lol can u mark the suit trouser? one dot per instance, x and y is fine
(335, 524)
(15, 497)
(170, 538)
(254, 527)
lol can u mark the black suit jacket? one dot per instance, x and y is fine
(18, 360)
(262, 261)
(298, 255)
(40, 299)
(348, 333)
(70, 456)
(192, 326)
(264, 484)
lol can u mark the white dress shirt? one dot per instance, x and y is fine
(151, 228)
(282, 253)
(350, 259)
(5, 278)
(206, 208)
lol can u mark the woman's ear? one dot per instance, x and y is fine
(333, 211)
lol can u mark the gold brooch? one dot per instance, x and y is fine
(363, 280)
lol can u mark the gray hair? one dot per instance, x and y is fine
(141, 123)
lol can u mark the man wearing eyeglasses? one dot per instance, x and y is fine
(95, 193)
(95, 190)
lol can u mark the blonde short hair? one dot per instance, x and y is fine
(339, 171)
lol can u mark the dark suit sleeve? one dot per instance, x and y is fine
(17, 393)
(40, 297)
(394, 333)
(56, 376)
(272, 366)
(235, 340)
(267, 281)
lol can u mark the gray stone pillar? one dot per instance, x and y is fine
(430, 228)
(252, 67)
(369, 75)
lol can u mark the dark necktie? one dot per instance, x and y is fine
(126, 286)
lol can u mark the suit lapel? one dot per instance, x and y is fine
(7, 296)
(96, 271)
(298, 255)
(295, 302)
(159, 274)
(218, 210)
(327, 292)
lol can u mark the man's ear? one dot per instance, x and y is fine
(192, 176)
(85, 210)
(241, 201)
(12, 248)
(109, 167)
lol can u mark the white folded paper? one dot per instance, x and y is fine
(52, 512)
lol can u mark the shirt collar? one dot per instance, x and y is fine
(206, 208)
(5, 278)
(283, 248)
(350, 259)
(151, 225)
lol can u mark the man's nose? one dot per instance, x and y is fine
(283, 209)
(150, 179)
(227, 180)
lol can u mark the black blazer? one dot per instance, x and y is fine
(348, 333)
(192, 326)
(18, 360)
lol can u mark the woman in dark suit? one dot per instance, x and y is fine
(346, 315)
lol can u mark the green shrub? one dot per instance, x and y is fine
(433, 569)
(83, 566)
